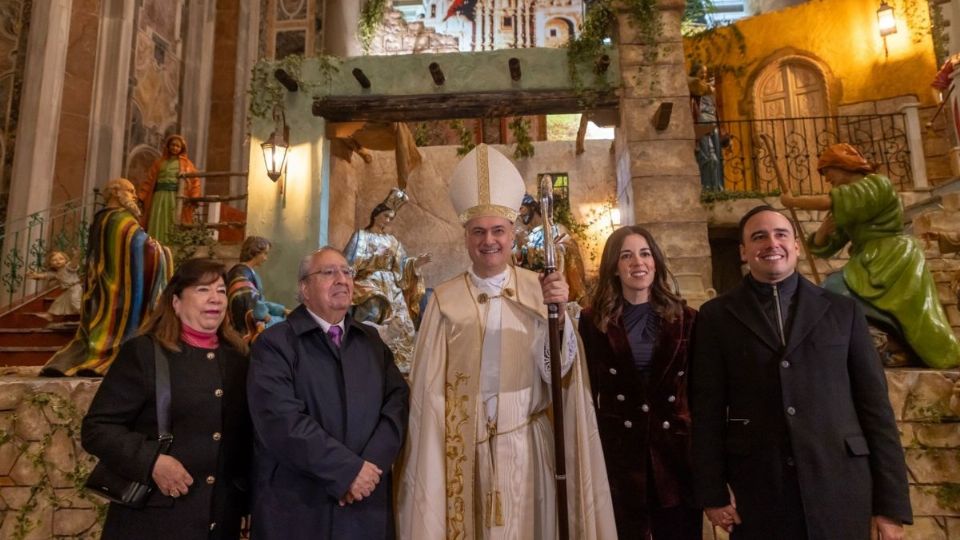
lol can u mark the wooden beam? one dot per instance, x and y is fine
(465, 105)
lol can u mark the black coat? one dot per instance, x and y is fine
(211, 437)
(319, 412)
(645, 431)
(820, 405)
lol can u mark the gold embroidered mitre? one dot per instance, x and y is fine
(486, 183)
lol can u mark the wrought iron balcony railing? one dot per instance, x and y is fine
(798, 142)
(26, 242)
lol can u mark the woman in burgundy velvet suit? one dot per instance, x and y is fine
(636, 333)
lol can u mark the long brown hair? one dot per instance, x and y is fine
(163, 324)
(607, 298)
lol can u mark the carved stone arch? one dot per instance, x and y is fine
(558, 30)
(790, 57)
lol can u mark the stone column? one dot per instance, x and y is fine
(247, 32)
(200, 18)
(918, 162)
(42, 92)
(108, 117)
(340, 29)
(665, 181)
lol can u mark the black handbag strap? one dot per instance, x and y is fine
(163, 394)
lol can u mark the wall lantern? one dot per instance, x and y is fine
(886, 23)
(275, 148)
(885, 19)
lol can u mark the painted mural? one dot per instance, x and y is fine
(155, 95)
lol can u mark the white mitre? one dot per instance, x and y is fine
(486, 183)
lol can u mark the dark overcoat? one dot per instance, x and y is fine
(819, 404)
(319, 412)
(212, 438)
(645, 434)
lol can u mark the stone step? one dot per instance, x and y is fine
(930, 202)
(37, 336)
(26, 356)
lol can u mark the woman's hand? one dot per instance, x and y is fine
(170, 476)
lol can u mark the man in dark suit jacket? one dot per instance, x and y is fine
(793, 433)
(329, 409)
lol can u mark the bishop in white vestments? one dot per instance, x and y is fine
(479, 460)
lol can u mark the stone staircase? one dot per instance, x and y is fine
(28, 340)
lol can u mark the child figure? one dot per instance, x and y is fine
(60, 268)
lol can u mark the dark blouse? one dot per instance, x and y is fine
(643, 327)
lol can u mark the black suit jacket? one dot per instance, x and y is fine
(820, 402)
(319, 412)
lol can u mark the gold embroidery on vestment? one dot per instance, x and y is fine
(456, 418)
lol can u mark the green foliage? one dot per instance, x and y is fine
(266, 92)
(710, 197)
(948, 496)
(187, 242)
(465, 135)
(939, 32)
(371, 18)
(708, 47)
(62, 416)
(589, 45)
(695, 16)
(520, 128)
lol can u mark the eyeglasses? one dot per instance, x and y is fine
(332, 271)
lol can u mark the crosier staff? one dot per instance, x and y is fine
(556, 388)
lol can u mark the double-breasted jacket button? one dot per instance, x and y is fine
(621, 397)
(213, 525)
(218, 392)
(613, 371)
(680, 373)
(791, 411)
(671, 399)
(785, 364)
(211, 355)
(211, 479)
(645, 408)
(217, 436)
(666, 424)
(627, 424)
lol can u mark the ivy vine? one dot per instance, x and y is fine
(465, 135)
(710, 196)
(371, 18)
(67, 418)
(266, 91)
(520, 128)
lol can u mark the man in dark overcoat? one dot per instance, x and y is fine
(793, 433)
(329, 409)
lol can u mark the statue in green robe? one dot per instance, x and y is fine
(887, 271)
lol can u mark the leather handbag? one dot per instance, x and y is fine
(116, 488)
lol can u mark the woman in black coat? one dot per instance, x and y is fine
(635, 334)
(200, 484)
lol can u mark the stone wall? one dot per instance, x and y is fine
(42, 464)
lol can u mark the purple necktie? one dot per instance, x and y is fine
(335, 333)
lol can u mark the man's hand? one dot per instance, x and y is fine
(888, 529)
(555, 290)
(170, 476)
(724, 517)
(363, 485)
